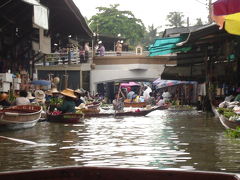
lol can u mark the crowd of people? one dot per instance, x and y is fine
(144, 94)
(68, 99)
(64, 101)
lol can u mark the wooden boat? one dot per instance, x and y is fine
(65, 118)
(78, 118)
(109, 173)
(93, 105)
(19, 117)
(135, 104)
(228, 124)
(181, 108)
(225, 121)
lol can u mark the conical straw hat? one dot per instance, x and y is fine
(68, 92)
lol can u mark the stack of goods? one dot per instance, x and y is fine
(16, 83)
(5, 80)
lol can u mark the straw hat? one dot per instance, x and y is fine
(3, 96)
(54, 90)
(68, 92)
(29, 96)
(39, 94)
(48, 92)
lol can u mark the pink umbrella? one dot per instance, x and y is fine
(225, 7)
(129, 84)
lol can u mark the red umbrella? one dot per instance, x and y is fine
(226, 7)
(226, 13)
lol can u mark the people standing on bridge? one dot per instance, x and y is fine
(86, 49)
(101, 49)
(119, 48)
(81, 54)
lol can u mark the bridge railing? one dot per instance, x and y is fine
(74, 58)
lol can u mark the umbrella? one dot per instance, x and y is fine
(225, 7)
(129, 84)
(228, 12)
(41, 82)
(168, 83)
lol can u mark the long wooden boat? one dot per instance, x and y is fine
(19, 117)
(135, 104)
(65, 118)
(110, 173)
(228, 124)
(225, 121)
(181, 108)
(78, 118)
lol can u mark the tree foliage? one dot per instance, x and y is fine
(150, 35)
(110, 21)
(199, 22)
(175, 19)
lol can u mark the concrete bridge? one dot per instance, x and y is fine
(105, 69)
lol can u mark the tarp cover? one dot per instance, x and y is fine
(167, 45)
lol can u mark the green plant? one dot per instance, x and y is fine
(226, 112)
(233, 133)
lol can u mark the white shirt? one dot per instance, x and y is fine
(22, 101)
(166, 95)
(146, 95)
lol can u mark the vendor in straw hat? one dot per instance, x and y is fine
(68, 105)
(3, 100)
(54, 99)
(40, 97)
(80, 97)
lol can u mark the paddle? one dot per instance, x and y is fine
(25, 141)
(19, 140)
(119, 90)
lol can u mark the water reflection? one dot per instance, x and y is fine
(161, 140)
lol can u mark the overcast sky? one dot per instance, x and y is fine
(150, 11)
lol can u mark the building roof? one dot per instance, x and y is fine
(65, 18)
(171, 32)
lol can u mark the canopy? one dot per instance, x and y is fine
(41, 82)
(129, 84)
(226, 13)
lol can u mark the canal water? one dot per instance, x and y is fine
(161, 140)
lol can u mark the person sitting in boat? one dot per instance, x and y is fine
(3, 100)
(146, 92)
(30, 97)
(40, 97)
(166, 96)
(79, 94)
(22, 99)
(161, 102)
(118, 103)
(131, 95)
(151, 101)
(68, 105)
(54, 100)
